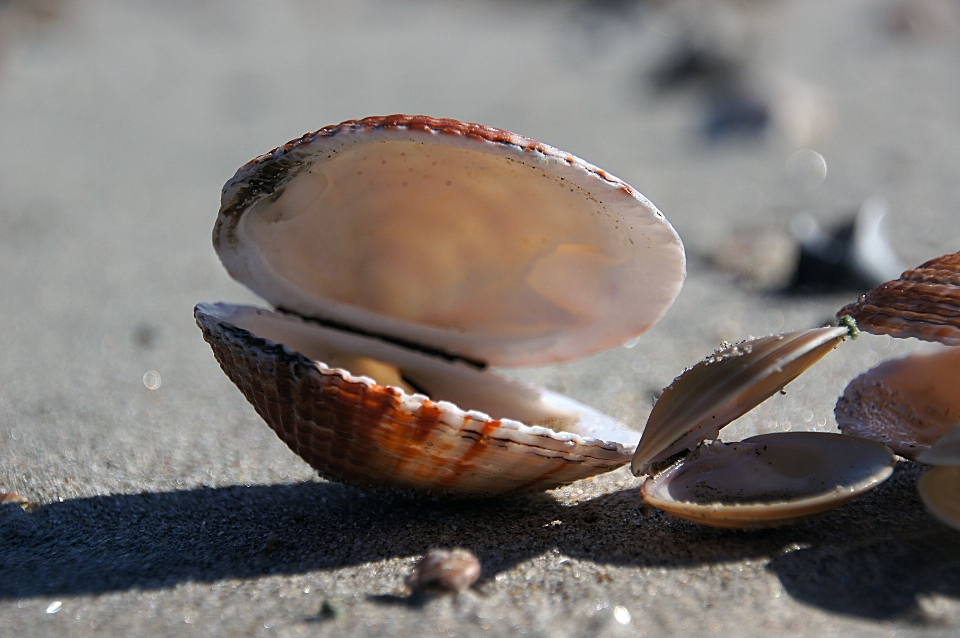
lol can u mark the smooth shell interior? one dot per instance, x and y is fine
(768, 480)
(946, 451)
(480, 248)
(468, 387)
(724, 387)
(940, 490)
(906, 403)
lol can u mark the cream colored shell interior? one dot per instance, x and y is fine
(471, 247)
(402, 235)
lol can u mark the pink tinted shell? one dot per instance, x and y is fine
(460, 237)
(906, 403)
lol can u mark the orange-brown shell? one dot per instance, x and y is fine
(351, 429)
(923, 303)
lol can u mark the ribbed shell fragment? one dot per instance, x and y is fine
(922, 303)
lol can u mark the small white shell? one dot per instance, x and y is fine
(769, 480)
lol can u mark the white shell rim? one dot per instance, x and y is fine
(452, 415)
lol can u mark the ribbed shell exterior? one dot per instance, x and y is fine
(923, 303)
(351, 429)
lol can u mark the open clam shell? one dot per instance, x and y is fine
(456, 237)
(354, 429)
(906, 403)
(407, 254)
(725, 386)
(769, 480)
(765, 480)
(922, 303)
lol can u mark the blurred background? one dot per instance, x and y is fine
(805, 150)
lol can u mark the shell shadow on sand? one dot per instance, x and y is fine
(152, 540)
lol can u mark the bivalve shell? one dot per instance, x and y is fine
(352, 429)
(922, 303)
(405, 255)
(769, 480)
(765, 480)
(724, 387)
(939, 487)
(461, 238)
(906, 403)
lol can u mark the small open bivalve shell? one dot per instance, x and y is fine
(724, 387)
(767, 480)
(406, 255)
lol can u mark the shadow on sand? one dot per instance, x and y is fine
(871, 558)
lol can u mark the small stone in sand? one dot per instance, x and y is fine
(455, 570)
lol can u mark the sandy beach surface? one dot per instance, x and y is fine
(161, 504)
